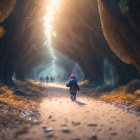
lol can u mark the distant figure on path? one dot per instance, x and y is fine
(51, 79)
(41, 79)
(47, 79)
(73, 87)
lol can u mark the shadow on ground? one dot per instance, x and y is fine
(80, 103)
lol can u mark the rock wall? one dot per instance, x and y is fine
(121, 27)
(21, 47)
(79, 35)
(6, 7)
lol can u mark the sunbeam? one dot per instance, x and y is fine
(51, 9)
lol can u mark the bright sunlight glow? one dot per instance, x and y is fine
(51, 8)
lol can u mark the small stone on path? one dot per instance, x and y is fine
(66, 130)
(47, 129)
(75, 123)
(50, 136)
(135, 127)
(94, 137)
(92, 124)
(110, 128)
(129, 132)
(114, 133)
(50, 117)
(76, 139)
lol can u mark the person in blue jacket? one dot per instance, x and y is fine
(73, 87)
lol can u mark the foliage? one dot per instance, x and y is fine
(2, 31)
(124, 95)
(6, 7)
(19, 109)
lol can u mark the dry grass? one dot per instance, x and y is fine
(19, 109)
(128, 95)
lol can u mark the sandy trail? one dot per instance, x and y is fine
(86, 119)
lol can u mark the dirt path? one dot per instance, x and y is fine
(86, 119)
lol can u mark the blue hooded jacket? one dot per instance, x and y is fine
(73, 85)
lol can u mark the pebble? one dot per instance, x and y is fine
(94, 137)
(75, 123)
(92, 124)
(5, 111)
(66, 130)
(135, 127)
(47, 129)
(129, 132)
(110, 128)
(114, 133)
(50, 117)
(36, 121)
(50, 136)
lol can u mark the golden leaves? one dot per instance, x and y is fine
(6, 7)
(19, 105)
(2, 31)
(123, 98)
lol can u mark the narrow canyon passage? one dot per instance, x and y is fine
(85, 119)
(90, 43)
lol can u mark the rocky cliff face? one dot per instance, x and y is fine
(6, 7)
(121, 27)
(21, 46)
(79, 35)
